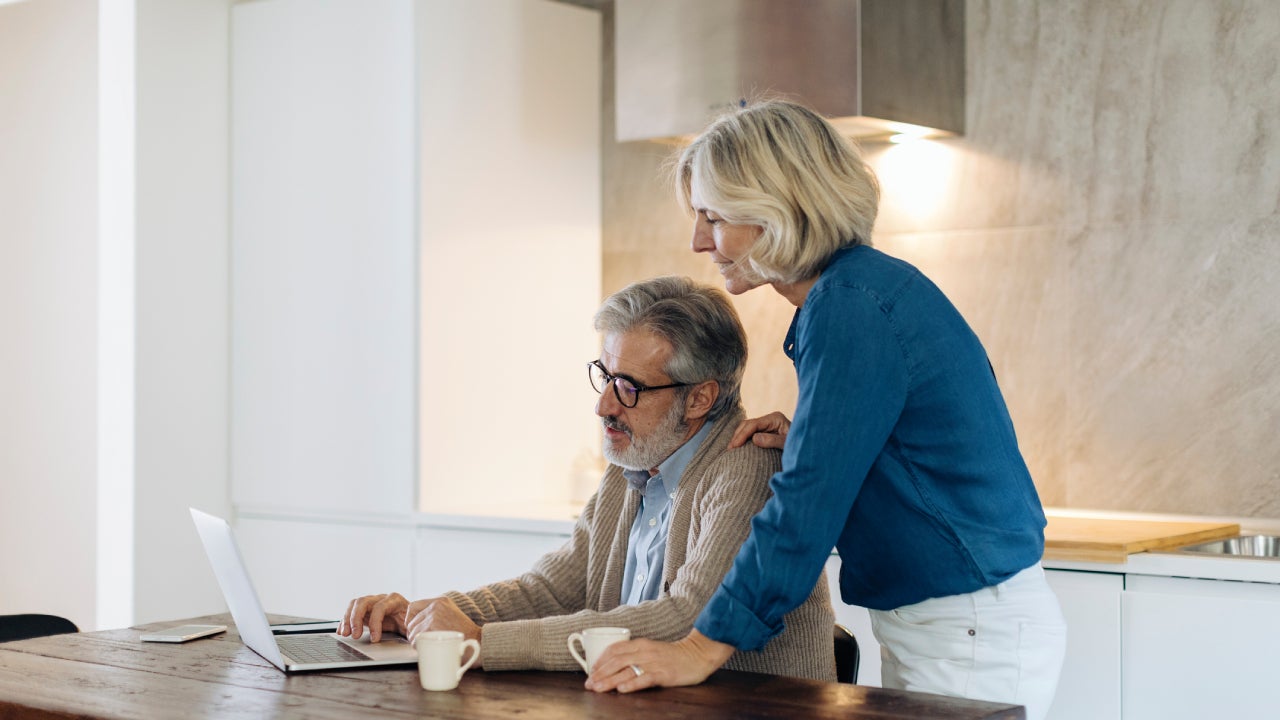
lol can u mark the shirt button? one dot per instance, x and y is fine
(672, 496)
(640, 578)
(653, 521)
(972, 632)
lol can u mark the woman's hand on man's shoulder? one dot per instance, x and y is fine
(767, 431)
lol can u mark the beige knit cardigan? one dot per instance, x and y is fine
(526, 621)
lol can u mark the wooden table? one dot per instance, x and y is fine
(111, 674)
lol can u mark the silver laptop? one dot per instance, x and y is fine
(290, 653)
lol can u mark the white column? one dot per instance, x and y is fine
(116, 308)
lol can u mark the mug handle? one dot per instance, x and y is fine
(572, 651)
(462, 650)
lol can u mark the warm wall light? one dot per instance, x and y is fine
(915, 177)
(906, 132)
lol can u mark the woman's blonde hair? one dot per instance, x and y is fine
(781, 166)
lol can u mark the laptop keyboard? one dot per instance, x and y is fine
(318, 649)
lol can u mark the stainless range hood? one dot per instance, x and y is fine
(876, 67)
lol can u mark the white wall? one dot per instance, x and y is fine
(48, 267)
(113, 305)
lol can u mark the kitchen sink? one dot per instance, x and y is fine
(1257, 546)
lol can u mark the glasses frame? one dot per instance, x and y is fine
(612, 380)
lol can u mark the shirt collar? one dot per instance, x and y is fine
(672, 468)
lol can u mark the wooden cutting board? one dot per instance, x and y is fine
(1108, 540)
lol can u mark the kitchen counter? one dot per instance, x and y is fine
(1111, 540)
(1173, 563)
(1186, 565)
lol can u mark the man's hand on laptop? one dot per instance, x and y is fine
(439, 614)
(380, 613)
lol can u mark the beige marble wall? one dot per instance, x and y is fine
(1110, 226)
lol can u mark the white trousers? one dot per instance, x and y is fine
(1003, 643)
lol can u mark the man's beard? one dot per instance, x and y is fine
(647, 452)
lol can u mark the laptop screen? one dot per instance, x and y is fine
(237, 588)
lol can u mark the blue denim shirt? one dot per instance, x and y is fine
(902, 456)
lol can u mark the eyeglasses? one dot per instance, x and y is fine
(627, 390)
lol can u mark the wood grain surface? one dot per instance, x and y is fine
(111, 674)
(1112, 541)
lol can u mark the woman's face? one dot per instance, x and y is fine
(726, 243)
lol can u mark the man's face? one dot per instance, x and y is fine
(640, 438)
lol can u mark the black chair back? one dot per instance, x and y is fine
(847, 655)
(23, 627)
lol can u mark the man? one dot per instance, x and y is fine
(662, 529)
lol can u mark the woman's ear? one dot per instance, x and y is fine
(701, 399)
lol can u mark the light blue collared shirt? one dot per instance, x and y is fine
(647, 544)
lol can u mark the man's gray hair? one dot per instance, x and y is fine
(706, 337)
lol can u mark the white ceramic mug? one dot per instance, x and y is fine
(440, 652)
(594, 641)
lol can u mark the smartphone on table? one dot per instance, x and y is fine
(182, 633)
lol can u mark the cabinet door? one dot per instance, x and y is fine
(1200, 648)
(313, 569)
(323, 258)
(1089, 687)
(457, 559)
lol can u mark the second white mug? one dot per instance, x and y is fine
(594, 641)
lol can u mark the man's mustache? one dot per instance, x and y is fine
(614, 423)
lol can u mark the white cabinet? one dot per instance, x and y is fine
(323, 260)
(1089, 687)
(1200, 649)
(312, 569)
(1142, 647)
(459, 559)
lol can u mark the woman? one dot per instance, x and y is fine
(902, 454)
